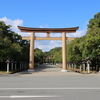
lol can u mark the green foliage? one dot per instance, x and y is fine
(56, 49)
(46, 54)
(11, 44)
(92, 43)
(58, 56)
(55, 53)
(38, 55)
(74, 50)
(88, 45)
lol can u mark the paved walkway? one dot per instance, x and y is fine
(50, 70)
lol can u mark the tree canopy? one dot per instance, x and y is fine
(38, 55)
(88, 45)
(11, 44)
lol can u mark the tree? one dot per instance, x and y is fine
(12, 45)
(88, 45)
(92, 43)
(56, 54)
(74, 51)
(38, 55)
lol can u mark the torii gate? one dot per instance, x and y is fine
(49, 57)
(48, 31)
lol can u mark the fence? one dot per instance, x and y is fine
(85, 67)
(13, 66)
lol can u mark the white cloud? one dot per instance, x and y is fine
(40, 34)
(56, 35)
(86, 23)
(45, 26)
(77, 33)
(14, 24)
(41, 26)
(45, 45)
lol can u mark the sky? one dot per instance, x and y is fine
(48, 14)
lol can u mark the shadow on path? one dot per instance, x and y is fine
(43, 68)
(46, 68)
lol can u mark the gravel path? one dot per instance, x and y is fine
(51, 70)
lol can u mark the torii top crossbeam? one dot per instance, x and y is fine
(48, 30)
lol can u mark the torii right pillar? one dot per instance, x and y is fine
(64, 58)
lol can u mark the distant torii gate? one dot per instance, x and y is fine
(47, 57)
(48, 31)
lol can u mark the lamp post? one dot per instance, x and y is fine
(88, 61)
(83, 62)
(8, 61)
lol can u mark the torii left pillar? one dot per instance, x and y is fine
(64, 58)
(31, 62)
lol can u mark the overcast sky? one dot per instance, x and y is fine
(49, 14)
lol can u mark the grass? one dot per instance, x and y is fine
(81, 72)
(4, 72)
(11, 72)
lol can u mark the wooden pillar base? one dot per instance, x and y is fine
(64, 70)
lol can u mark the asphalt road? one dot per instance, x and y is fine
(49, 83)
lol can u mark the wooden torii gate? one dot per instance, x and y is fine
(47, 57)
(48, 31)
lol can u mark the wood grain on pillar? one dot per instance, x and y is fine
(31, 63)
